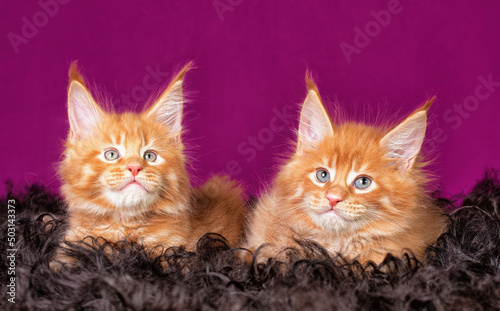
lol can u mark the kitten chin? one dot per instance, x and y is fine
(332, 220)
(357, 190)
(124, 176)
(132, 196)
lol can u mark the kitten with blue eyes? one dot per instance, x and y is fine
(357, 190)
(124, 175)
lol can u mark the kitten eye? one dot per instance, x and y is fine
(150, 156)
(362, 182)
(322, 175)
(111, 154)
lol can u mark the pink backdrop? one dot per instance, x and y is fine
(251, 57)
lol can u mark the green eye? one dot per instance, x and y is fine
(362, 182)
(150, 156)
(111, 154)
(322, 175)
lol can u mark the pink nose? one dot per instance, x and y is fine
(134, 169)
(334, 199)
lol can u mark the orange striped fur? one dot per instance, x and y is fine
(393, 214)
(131, 196)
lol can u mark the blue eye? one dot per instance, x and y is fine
(111, 154)
(362, 182)
(150, 156)
(322, 175)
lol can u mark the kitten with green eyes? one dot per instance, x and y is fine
(124, 175)
(357, 190)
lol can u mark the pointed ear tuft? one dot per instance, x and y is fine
(315, 123)
(83, 112)
(427, 105)
(310, 84)
(74, 73)
(404, 142)
(168, 107)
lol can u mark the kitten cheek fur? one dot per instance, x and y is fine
(88, 178)
(460, 271)
(166, 211)
(395, 215)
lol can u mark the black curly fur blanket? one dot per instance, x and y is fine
(461, 271)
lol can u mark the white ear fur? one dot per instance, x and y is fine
(83, 112)
(314, 123)
(168, 109)
(404, 141)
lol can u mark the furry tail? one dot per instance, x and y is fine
(220, 208)
(222, 188)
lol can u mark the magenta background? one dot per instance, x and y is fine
(247, 64)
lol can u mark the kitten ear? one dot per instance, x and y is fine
(83, 112)
(168, 108)
(314, 124)
(403, 143)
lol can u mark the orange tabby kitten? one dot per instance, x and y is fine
(356, 189)
(124, 175)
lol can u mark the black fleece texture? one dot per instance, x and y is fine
(461, 271)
